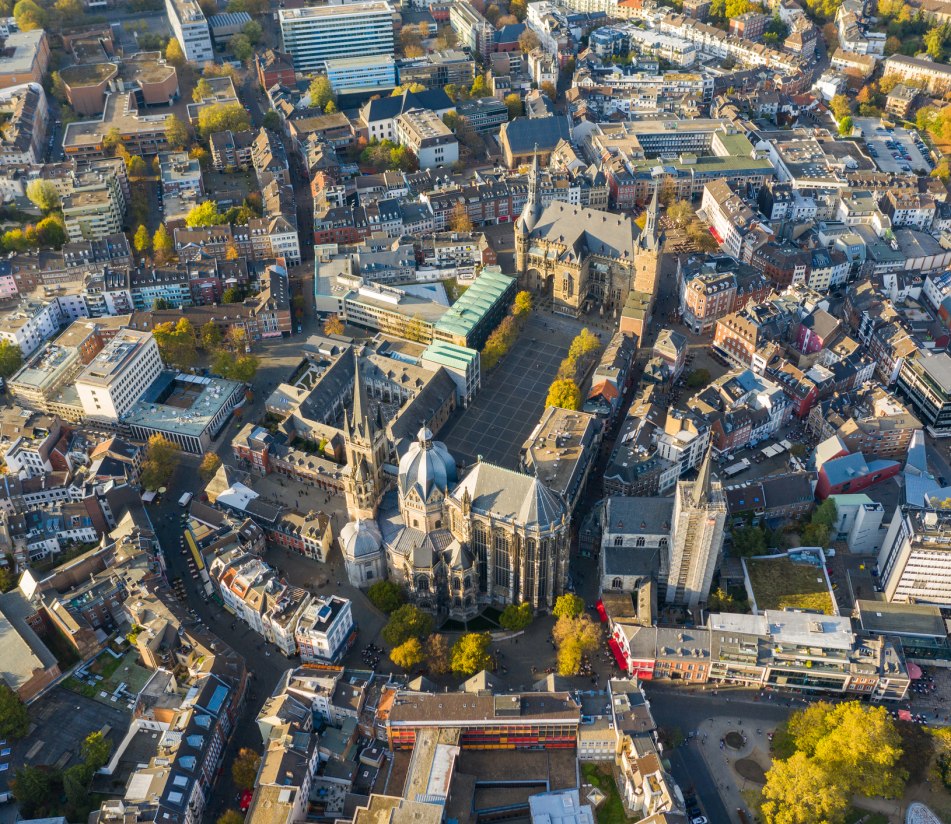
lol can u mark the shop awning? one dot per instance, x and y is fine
(618, 653)
(904, 715)
(602, 612)
(914, 671)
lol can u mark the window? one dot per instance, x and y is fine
(617, 583)
(639, 541)
(619, 540)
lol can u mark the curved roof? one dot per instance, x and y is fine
(426, 464)
(360, 539)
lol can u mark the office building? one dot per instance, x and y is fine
(431, 140)
(191, 29)
(119, 375)
(315, 34)
(914, 562)
(696, 537)
(365, 72)
(925, 382)
(325, 630)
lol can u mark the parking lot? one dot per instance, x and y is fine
(513, 397)
(893, 150)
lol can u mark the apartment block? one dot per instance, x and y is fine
(315, 34)
(191, 29)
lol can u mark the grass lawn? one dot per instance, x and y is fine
(779, 583)
(854, 815)
(611, 810)
(454, 289)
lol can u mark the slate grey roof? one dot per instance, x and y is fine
(638, 516)
(511, 495)
(525, 133)
(386, 108)
(626, 560)
(587, 230)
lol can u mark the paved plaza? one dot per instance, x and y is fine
(513, 396)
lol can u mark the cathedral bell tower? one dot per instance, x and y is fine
(527, 221)
(366, 447)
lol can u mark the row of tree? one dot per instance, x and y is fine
(564, 391)
(506, 333)
(178, 344)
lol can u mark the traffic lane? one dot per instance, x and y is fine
(692, 775)
(688, 709)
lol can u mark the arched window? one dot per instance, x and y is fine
(663, 542)
(467, 583)
(422, 584)
(640, 541)
(619, 540)
(455, 582)
(617, 583)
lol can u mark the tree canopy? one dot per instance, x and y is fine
(161, 458)
(14, 719)
(516, 617)
(221, 117)
(244, 768)
(470, 654)
(409, 654)
(11, 358)
(568, 605)
(321, 92)
(204, 214)
(43, 194)
(407, 621)
(385, 595)
(565, 394)
(176, 133)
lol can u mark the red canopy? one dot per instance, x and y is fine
(914, 671)
(245, 802)
(602, 612)
(618, 653)
(904, 715)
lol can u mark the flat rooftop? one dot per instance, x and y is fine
(335, 11)
(104, 368)
(89, 74)
(185, 404)
(118, 113)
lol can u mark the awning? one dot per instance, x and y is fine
(618, 653)
(914, 671)
(602, 612)
(904, 715)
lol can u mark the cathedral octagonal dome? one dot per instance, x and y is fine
(426, 465)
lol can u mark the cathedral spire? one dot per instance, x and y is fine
(533, 198)
(650, 236)
(701, 487)
(362, 420)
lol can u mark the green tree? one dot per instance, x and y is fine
(748, 541)
(162, 244)
(721, 601)
(470, 654)
(232, 295)
(680, 213)
(409, 654)
(142, 241)
(11, 358)
(51, 231)
(222, 117)
(174, 53)
(43, 195)
(241, 48)
(244, 768)
(516, 617)
(407, 621)
(385, 595)
(76, 781)
(58, 87)
(136, 167)
(934, 41)
(584, 345)
(95, 750)
(30, 16)
(565, 394)
(437, 654)
(209, 466)
(846, 125)
(826, 513)
(176, 133)
(321, 92)
(14, 719)
(272, 121)
(32, 787)
(161, 458)
(204, 214)
(568, 605)
(253, 31)
(800, 791)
